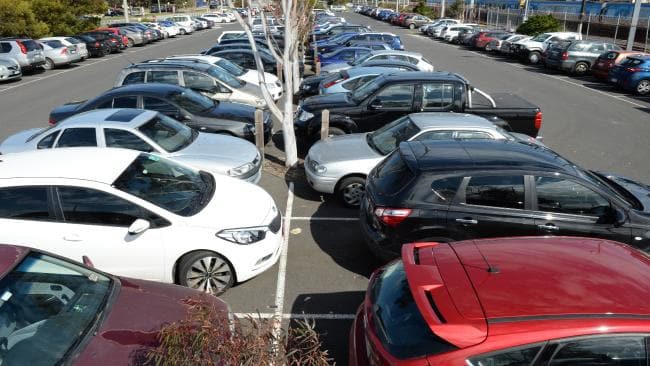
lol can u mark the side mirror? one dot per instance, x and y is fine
(375, 104)
(139, 226)
(87, 262)
(182, 117)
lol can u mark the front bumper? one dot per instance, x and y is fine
(320, 183)
(253, 259)
(10, 74)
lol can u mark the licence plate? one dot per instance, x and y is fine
(613, 80)
(600, 64)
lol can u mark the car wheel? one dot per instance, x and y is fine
(49, 64)
(534, 57)
(581, 68)
(130, 43)
(182, 32)
(643, 87)
(206, 271)
(351, 191)
(411, 26)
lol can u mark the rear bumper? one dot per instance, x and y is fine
(357, 341)
(377, 242)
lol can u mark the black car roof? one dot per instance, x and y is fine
(146, 88)
(482, 154)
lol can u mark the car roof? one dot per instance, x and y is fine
(10, 255)
(356, 71)
(119, 117)
(447, 119)
(171, 64)
(423, 75)
(370, 63)
(537, 277)
(81, 163)
(483, 154)
(397, 52)
(152, 88)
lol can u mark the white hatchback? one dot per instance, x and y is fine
(139, 215)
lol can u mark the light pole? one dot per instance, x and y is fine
(635, 22)
(125, 6)
(582, 15)
(526, 11)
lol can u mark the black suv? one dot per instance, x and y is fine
(466, 189)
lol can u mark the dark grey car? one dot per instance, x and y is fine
(576, 57)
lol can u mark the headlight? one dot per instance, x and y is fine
(306, 86)
(240, 170)
(248, 235)
(316, 167)
(304, 116)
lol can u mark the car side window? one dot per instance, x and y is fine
(167, 77)
(611, 55)
(510, 357)
(24, 203)
(347, 55)
(125, 102)
(134, 78)
(5, 47)
(496, 191)
(198, 81)
(437, 96)
(160, 105)
(565, 196)
(126, 140)
(611, 351)
(92, 207)
(399, 96)
(445, 189)
(470, 135)
(48, 141)
(597, 48)
(77, 137)
(435, 135)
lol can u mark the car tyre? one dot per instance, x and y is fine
(206, 271)
(411, 26)
(130, 43)
(534, 57)
(581, 68)
(182, 32)
(49, 64)
(643, 87)
(351, 191)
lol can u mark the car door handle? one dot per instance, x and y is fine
(550, 227)
(467, 221)
(72, 237)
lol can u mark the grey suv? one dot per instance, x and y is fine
(27, 52)
(576, 57)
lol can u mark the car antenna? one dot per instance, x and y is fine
(490, 268)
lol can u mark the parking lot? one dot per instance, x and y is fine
(323, 271)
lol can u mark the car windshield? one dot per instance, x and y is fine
(361, 59)
(231, 67)
(226, 77)
(541, 38)
(40, 132)
(388, 138)
(168, 133)
(167, 184)
(366, 89)
(192, 101)
(47, 307)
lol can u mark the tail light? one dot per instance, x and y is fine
(334, 82)
(565, 56)
(96, 44)
(632, 69)
(317, 58)
(23, 49)
(64, 51)
(392, 216)
(538, 120)
(51, 121)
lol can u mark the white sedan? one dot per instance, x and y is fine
(139, 215)
(146, 131)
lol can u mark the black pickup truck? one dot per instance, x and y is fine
(391, 96)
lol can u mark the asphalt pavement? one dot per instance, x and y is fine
(325, 266)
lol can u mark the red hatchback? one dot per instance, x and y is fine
(508, 301)
(54, 311)
(608, 60)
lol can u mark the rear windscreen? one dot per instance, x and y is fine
(31, 45)
(393, 174)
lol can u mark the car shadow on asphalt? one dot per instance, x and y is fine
(334, 332)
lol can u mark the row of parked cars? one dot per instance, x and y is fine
(494, 217)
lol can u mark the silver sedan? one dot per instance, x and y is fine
(147, 131)
(340, 164)
(9, 69)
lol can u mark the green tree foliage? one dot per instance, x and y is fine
(38, 18)
(422, 8)
(18, 19)
(539, 24)
(455, 9)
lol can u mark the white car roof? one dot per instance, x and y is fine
(396, 52)
(83, 163)
(110, 117)
(207, 58)
(447, 119)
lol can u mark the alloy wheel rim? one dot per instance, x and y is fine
(643, 87)
(353, 193)
(209, 274)
(580, 68)
(48, 65)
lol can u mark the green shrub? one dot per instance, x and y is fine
(423, 9)
(539, 24)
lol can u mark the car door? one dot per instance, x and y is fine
(562, 206)
(490, 205)
(386, 105)
(95, 223)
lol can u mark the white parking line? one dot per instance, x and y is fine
(296, 316)
(282, 267)
(88, 63)
(307, 218)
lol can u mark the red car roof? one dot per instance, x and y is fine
(463, 286)
(10, 255)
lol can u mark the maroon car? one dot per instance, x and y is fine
(55, 311)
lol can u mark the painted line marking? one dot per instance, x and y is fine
(308, 218)
(282, 267)
(89, 63)
(296, 316)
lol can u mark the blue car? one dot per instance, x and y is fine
(346, 54)
(632, 74)
(390, 39)
(335, 43)
(375, 46)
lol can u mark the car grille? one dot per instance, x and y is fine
(276, 224)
